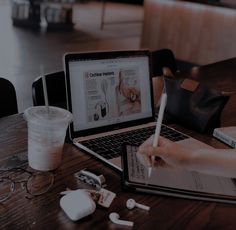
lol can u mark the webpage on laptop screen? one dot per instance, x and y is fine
(109, 91)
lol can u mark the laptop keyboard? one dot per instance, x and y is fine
(111, 146)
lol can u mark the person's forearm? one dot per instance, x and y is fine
(220, 162)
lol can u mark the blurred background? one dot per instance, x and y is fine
(25, 43)
(35, 33)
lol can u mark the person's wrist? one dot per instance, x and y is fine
(184, 156)
(193, 159)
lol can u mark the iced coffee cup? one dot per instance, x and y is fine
(46, 135)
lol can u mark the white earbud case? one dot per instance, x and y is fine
(77, 204)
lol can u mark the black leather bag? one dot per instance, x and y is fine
(193, 104)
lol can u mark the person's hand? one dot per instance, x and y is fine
(220, 162)
(170, 152)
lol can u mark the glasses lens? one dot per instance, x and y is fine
(40, 183)
(6, 188)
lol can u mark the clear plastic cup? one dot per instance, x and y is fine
(46, 136)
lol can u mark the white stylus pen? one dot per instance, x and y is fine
(158, 128)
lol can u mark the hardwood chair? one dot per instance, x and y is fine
(55, 88)
(166, 58)
(163, 58)
(8, 100)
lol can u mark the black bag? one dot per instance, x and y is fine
(193, 104)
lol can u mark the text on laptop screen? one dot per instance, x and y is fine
(109, 91)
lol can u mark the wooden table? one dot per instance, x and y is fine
(44, 212)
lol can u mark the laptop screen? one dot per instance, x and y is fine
(108, 89)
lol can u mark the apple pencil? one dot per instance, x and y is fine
(158, 128)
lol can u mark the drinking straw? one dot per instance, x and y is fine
(45, 93)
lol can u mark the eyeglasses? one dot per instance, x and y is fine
(35, 183)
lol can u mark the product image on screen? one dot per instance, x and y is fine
(109, 91)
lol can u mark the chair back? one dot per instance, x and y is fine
(56, 90)
(163, 58)
(8, 100)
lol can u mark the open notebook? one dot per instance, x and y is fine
(110, 96)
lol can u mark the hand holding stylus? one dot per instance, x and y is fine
(158, 128)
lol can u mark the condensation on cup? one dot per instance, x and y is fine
(46, 136)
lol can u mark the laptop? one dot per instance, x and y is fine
(111, 99)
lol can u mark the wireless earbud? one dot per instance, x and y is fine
(130, 204)
(114, 218)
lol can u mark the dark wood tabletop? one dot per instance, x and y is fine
(44, 212)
